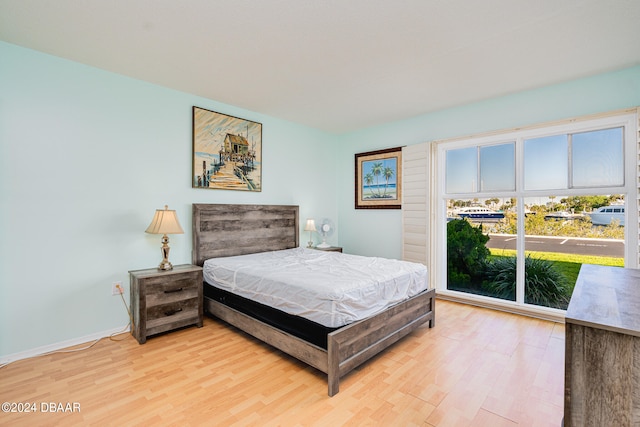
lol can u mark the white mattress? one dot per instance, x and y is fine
(329, 288)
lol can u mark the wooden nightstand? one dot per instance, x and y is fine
(162, 301)
(330, 249)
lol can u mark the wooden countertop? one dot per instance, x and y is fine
(606, 298)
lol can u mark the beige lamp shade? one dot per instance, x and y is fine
(310, 225)
(165, 221)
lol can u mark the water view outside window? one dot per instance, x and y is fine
(471, 223)
(561, 234)
(562, 230)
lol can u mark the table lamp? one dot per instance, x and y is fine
(310, 226)
(165, 222)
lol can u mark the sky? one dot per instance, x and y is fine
(367, 166)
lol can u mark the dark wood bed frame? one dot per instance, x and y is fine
(227, 230)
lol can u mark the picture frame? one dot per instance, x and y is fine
(378, 179)
(227, 152)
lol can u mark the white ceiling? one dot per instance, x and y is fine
(336, 65)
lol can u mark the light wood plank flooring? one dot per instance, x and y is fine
(477, 367)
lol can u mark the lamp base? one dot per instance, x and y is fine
(165, 265)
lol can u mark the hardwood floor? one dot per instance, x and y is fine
(477, 367)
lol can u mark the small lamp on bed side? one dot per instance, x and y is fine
(165, 222)
(310, 226)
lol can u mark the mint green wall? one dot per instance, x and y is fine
(377, 232)
(86, 156)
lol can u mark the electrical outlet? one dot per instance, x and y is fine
(116, 288)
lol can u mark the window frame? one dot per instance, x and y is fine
(627, 119)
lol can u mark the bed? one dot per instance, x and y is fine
(224, 232)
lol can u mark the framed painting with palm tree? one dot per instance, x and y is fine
(379, 179)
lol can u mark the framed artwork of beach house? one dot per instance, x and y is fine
(227, 152)
(379, 179)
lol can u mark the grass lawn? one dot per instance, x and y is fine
(568, 264)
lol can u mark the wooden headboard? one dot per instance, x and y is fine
(227, 230)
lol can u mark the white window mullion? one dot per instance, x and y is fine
(520, 233)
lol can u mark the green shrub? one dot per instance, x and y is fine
(545, 285)
(466, 252)
(500, 275)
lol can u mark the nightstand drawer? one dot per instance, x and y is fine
(172, 310)
(171, 283)
(170, 316)
(180, 294)
(181, 287)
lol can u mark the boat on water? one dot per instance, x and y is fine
(478, 212)
(558, 216)
(606, 214)
(562, 216)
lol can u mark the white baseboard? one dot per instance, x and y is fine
(544, 313)
(38, 351)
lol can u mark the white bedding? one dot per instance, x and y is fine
(329, 288)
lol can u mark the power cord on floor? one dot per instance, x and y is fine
(111, 337)
(126, 307)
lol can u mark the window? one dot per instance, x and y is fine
(545, 163)
(479, 169)
(597, 157)
(526, 198)
(586, 159)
